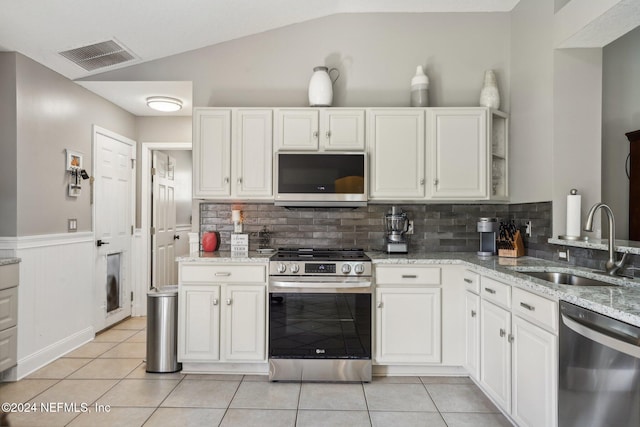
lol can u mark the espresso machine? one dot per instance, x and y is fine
(397, 226)
(488, 229)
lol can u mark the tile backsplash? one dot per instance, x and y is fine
(437, 227)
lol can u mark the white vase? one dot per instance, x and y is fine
(321, 87)
(489, 95)
(419, 86)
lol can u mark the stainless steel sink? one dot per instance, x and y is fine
(566, 278)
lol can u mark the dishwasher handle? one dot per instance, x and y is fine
(605, 337)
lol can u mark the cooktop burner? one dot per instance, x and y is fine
(320, 254)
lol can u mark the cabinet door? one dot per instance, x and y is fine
(199, 323)
(472, 333)
(296, 129)
(495, 353)
(342, 129)
(211, 153)
(396, 148)
(245, 322)
(535, 375)
(253, 154)
(458, 153)
(408, 325)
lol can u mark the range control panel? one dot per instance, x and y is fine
(308, 268)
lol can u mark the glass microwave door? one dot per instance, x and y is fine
(321, 173)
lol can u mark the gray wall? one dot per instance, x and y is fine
(158, 129)
(377, 55)
(8, 147)
(577, 131)
(531, 119)
(53, 114)
(620, 114)
(555, 114)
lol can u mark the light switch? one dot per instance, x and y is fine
(72, 224)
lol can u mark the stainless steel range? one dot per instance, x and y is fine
(320, 315)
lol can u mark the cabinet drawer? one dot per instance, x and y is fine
(471, 281)
(495, 291)
(8, 348)
(8, 308)
(222, 273)
(536, 308)
(9, 275)
(408, 275)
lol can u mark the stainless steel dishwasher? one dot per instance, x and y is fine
(599, 370)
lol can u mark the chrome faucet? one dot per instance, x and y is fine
(612, 266)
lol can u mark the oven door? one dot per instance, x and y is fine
(319, 325)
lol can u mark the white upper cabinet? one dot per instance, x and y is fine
(414, 154)
(296, 129)
(342, 129)
(211, 153)
(396, 145)
(458, 153)
(320, 129)
(253, 153)
(233, 153)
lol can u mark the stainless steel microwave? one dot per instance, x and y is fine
(320, 179)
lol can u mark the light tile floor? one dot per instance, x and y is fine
(109, 372)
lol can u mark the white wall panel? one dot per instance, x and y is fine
(55, 297)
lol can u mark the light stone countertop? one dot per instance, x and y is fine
(7, 261)
(619, 302)
(226, 257)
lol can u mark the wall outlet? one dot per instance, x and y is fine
(563, 255)
(72, 224)
(528, 228)
(410, 228)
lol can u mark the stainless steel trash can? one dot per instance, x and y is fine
(162, 330)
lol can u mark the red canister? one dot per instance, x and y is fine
(210, 241)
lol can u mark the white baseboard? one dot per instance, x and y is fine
(37, 360)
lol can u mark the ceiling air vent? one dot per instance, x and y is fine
(99, 55)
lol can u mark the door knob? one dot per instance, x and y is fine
(176, 237)
(100, 243)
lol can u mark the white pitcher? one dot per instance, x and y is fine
(321, 87)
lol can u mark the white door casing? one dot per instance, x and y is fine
(164, 220)
(113, 219)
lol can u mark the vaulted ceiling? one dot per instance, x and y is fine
(152, 29)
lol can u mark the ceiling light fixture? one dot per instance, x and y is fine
(164, 103)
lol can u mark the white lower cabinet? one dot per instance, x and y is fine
(222, 313)
(199, 334)
(472, 335)
(244, 322)
(518, 352)
(236, 322)
(495, 353)
(408, 325)
(535, 373)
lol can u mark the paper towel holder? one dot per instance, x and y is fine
(581, 238)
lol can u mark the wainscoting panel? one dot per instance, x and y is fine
(55, 297)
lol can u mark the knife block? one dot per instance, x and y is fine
(516, 247)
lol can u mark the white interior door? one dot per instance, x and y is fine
(164, 233)
(114, 192)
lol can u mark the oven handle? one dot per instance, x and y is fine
(284, 286)
(604, 337)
